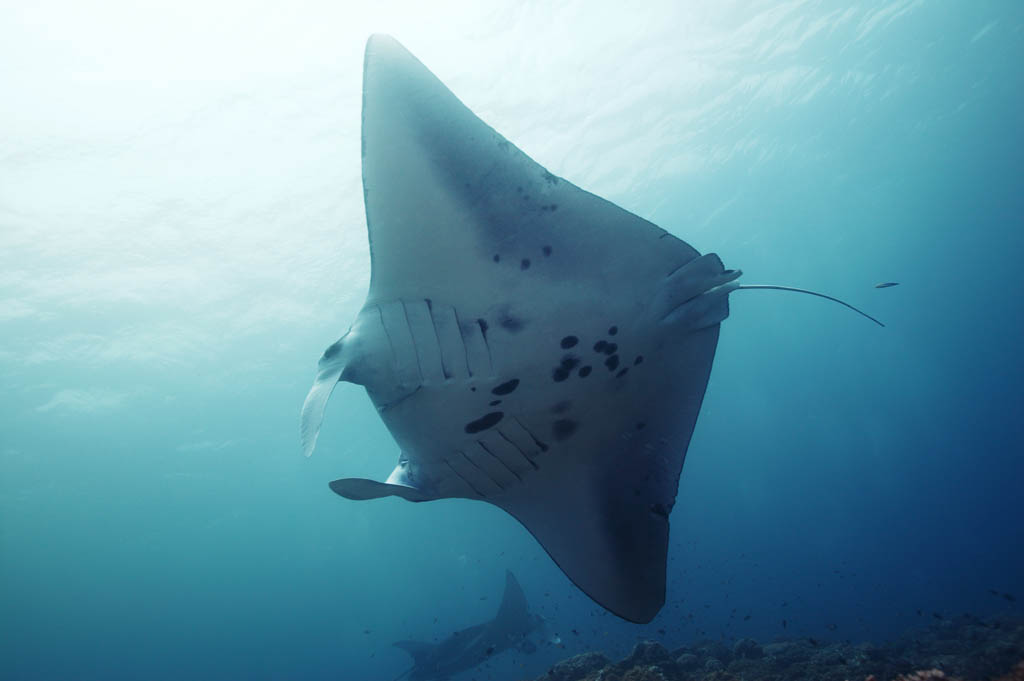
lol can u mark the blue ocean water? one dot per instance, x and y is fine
(181, 236)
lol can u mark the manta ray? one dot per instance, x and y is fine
(527, 344)
(470, 647)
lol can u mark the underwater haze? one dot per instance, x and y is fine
(182, 235)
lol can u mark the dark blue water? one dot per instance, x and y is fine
(181, 235)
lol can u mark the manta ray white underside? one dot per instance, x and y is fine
(527, 343)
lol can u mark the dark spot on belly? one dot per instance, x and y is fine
(495, 403)
(612, 363)
(484, 422)
(569, 341)
(585, 371)
(613, 330)
(560, 373)
(511, 323)
(641, 425)
(546, 250)
(561, 407)
(610, 349)
(524, 264)
(639, 360)
(563, 428)
(497, 258)
(506, 387)
(599, 346)
(622, 372)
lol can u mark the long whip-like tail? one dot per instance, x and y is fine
(812, 293)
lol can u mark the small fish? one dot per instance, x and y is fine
(887, 284)
(813, 642)
(784, 625)
(1010, 597)
(746, 617)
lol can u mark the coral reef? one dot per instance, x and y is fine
(954, 649)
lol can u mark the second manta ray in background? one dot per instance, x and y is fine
(469, 648)
(527, 343)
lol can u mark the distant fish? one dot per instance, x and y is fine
(887, 284)
(1010, 597)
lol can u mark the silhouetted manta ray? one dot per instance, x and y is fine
(527, 343)
(470, 647)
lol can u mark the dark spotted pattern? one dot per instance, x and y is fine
(600, 346)
(563, 429)
(506, 387)
(612, 363)
(495, 403)
(639, 360)
(525, 264)
(561, 372)
(484, 422)
(613, 330)
(610, 348)
(622, 372)
(569, 341)
(497, 258)
(546, 250)
(585, 371)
